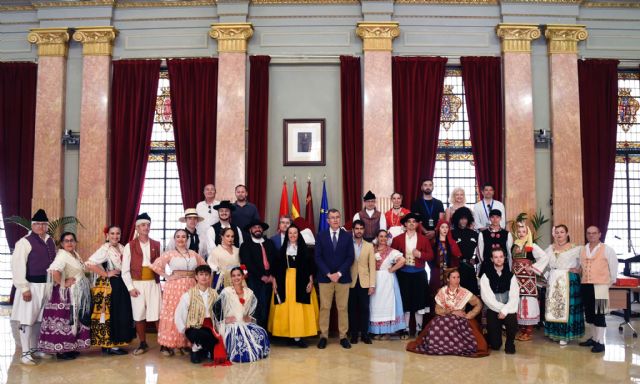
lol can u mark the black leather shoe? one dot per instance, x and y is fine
(64, 356)
(322, 344)
(117, 352)
(588, 343)
(510, 349)
(195, 357)
(302, 344)
(367, 340)
(354, 339)
(597, 348)
(345, 343)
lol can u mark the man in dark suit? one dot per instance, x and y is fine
(284, 222)
(257, 254)
(334, 257)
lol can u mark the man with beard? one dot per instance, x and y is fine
(429, 208)
(257, 254)
(213, 233)
(245, 211)
(363, 284)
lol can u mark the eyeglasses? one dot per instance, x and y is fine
(68, 241)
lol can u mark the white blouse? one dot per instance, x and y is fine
(107, 253)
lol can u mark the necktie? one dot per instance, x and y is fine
(195, 242)
(335, 240)
(265, 262)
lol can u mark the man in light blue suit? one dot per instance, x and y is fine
(334, 257)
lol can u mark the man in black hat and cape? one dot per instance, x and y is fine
(258, 254)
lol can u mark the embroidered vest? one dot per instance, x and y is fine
(40, 258)
(197, 311)
(595, 270)
(371, 224)
(137, 257)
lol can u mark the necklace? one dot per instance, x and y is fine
(186, 258)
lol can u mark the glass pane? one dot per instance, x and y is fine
(5, 263)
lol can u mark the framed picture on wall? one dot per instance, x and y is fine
(304, 143)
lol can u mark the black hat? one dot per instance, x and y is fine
(410, 215)
(40, 217)
(369, 196)
(225, 204)
(495, 212)
(253, 222)
(143, 217)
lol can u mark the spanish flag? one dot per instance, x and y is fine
(295, 203)
(284, 201)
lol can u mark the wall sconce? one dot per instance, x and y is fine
(542, 138)
(70, 138)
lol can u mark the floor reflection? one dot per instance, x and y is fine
(539, 361)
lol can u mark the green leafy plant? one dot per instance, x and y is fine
(56, 227)
(537, 220)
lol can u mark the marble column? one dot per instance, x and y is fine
(48, 175)
(377, 44)
(231, 126)
(568, 200)
(93, 183)
(520, 165)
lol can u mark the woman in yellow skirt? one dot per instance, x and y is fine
(294, 311)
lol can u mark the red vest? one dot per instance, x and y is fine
(136, 257)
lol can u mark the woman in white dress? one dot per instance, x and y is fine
(224, 257)
(564, 316)
(67, 313)
(244, 340)
(385, 307)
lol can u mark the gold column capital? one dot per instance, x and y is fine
(232, 37)
(564, 38)
(50, 41)
(517, 37)
(96, 41)
(377, 36)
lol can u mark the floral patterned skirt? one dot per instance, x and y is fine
(168, 334)
(573, 329)
(58, 333)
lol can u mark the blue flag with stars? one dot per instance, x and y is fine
(324, 210)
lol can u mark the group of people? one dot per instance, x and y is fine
(427, 271)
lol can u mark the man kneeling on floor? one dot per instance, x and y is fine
(194, 315)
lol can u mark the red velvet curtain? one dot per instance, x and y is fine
(194, 106)
(417, 97)
(482, 79)
(351, 134)
(17, 130)
(133, 94)
(258, 131)
(598, 82)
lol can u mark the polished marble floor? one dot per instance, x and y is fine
(539, 361)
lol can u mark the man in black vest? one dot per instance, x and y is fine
(213, 233)
(494, 237)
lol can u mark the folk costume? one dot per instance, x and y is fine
(373, 219)
(446, 254)
(386, 311)
(494, 238)
(30, 261)
(500, 293)
(467, 240)
(214, 231)
(221, 262)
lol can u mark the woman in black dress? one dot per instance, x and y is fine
(467, 240)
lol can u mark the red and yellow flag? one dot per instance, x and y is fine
(295, 203)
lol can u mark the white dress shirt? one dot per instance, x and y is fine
(481, 212)
(126, 262)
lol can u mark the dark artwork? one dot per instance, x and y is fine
(304, 141)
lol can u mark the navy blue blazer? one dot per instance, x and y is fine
(332, 261)
(276, 241)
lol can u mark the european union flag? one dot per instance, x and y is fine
(324, 210)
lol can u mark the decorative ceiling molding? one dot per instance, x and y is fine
(88, 3)
(164, 4)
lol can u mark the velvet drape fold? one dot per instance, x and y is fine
(598, 82)
(194, 106)
(17, 132)
(417, 98)
(134, 90)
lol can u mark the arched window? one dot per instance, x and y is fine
(624, 221)
(161, 196)
(454, 158)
